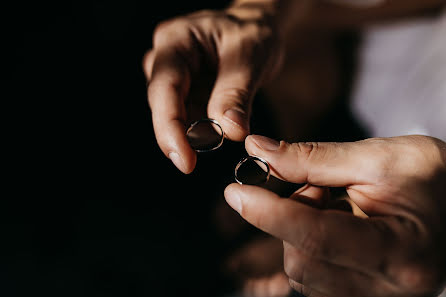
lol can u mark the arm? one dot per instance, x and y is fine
(244, 46)
(340, 14)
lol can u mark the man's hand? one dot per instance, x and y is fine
(240, 48)
(400, 183)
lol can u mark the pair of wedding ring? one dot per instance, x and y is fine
(207, 135)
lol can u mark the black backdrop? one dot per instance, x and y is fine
(90, 206)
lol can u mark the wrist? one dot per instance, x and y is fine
(282, 16)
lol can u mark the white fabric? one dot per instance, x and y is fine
(401, 85)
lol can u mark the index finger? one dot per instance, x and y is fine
(334, 236)
(168, 88)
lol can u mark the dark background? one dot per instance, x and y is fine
(91, 207)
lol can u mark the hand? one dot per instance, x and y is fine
(239, 45)
(400, 183)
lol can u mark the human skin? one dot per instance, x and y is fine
(399, 183)
(241, 52)
(244, 46)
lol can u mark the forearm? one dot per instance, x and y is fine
(335, 14)
(343, 14)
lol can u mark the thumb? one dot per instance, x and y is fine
(317, 163)
(231, 100)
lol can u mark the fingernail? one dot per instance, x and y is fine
(238, 117)
(233, 199)
(265, 143)
(177, 161)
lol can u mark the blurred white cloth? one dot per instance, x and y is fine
(401, 84)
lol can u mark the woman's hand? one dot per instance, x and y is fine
(400, 183)
(240, 49)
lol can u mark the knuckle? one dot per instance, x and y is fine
(163, 27)
(168, 29)
(306, 149)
